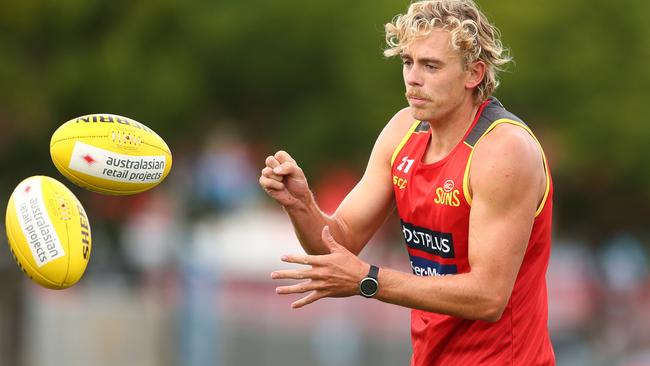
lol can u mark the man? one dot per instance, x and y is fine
(473, 192)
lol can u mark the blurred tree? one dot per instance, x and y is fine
(581, 69)
(309, 77)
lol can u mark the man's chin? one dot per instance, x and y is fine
(419, 114)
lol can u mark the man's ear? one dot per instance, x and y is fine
(476, 74)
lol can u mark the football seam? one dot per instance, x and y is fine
(76, 137)
(52, 143)
(157, 147)
(68, 254)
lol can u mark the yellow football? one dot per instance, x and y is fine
(110, 154)
(48, 232)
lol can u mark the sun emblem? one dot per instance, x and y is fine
(449, 185)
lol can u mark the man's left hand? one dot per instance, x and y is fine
(336, 274)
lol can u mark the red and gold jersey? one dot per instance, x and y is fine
(434, 202)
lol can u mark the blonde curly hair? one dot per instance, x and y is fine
(471, 34)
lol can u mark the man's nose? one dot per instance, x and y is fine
(413, 76)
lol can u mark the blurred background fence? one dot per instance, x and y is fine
(180, 275)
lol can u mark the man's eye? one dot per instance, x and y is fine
(431, 67)
(407, 62)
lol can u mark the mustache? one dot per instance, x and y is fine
(416, 94)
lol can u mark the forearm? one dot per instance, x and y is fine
(308, 221)
(461, 295)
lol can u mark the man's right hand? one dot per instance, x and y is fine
(284, 181)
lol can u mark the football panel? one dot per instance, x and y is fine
(78, 233)
(120, 132)
(98, 185)
(24, 255)
(61, 204)
(54, 232)
(105, 171)
(24, 264)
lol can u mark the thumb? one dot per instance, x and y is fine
(328, 239)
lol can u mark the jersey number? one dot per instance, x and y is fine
(405, 161)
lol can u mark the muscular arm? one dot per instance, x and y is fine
(362, 211)
(507, 179)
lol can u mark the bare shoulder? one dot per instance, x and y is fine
(402, 119)
(508, 142)
(395, 130)
(508, 158)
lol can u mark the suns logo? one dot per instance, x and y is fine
(448, 186)
(447, 195)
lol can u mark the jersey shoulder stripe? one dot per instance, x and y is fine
(416, 125)
(493, 115)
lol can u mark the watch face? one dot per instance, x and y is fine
(368, 287)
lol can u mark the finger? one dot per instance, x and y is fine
(271, 184)
(287, 168)
(328, 239)
(305, 259)
(271, 161)
(293, 274)
(283, 157)
(298, 288)
(268, 172)
(316, 295)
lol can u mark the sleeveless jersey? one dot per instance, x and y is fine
(433, 202)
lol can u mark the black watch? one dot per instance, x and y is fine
(369, 285)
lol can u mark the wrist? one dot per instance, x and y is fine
(303, 206)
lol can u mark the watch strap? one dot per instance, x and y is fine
(374, 272)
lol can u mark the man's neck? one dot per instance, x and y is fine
(449, 130)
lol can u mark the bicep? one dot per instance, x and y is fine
(505, 184)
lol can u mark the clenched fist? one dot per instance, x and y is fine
(284, 180)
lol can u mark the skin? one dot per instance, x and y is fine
(507, 182)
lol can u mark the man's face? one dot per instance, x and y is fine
(435, 79)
